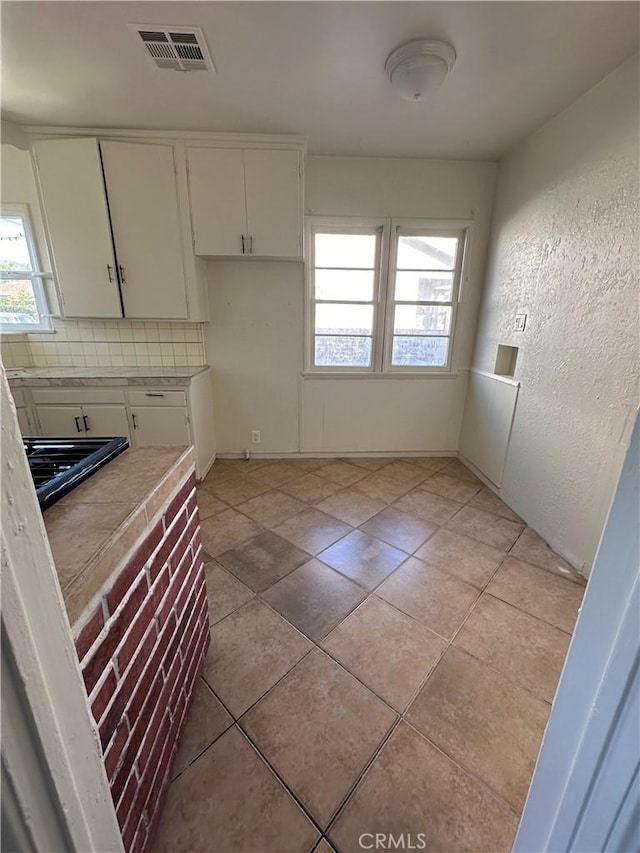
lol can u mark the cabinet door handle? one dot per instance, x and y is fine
(78, 427)
(243, 244)
(110, 272)
(134, 421)
(122, 278)
(153, 394)
(85, 421)
(251, 244)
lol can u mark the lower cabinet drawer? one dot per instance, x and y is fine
(157, 397)
(77, 396)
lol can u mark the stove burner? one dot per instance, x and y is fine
(58, 465)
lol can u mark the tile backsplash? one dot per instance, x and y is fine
(109, 343)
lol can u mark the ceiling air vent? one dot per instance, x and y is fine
(178, 48)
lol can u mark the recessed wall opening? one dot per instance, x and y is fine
(506, 358)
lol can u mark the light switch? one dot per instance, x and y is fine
(520, 323)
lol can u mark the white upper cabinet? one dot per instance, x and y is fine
(77, 219)
(272, 191)
(246, 201)
(141, 187)
(218, 210)
(117, 216)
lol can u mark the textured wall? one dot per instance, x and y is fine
(564, 250)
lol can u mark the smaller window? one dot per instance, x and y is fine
(423, 297)
(346, 268)
(22, 303)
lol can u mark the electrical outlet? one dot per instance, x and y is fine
(520, 323)
(255, 436)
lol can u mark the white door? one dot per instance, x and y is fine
(160, 425)
(63, 421)
(143, 205)
(75, 207)
(105, 421)
(272, 180)
(218, 210)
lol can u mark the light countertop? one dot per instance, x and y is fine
(45, 376)
(93, 529)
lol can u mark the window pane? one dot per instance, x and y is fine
(426, 253)
(14, 251)
(420, 352)
(352, 285)
(342, 351)
(422, 320)
(17, 302)
(424, 286)
(344, 319)
(345, 250)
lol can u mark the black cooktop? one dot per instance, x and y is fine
(58, 465)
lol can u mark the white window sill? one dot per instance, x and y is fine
(445, 374)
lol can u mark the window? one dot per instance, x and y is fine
(22, 303)
(382, 295)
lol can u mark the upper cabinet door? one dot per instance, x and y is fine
(272, 180)
(218, 210)
(143, 205)
(75, 208)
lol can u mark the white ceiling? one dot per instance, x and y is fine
(315, 68)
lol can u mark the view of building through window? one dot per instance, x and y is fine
(416, 298)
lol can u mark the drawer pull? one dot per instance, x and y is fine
(110, 272)
(85, 420)
(122, 278)
(134, 420)
(78, 427)
(151, 394)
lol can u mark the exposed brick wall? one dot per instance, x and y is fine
(140, 650)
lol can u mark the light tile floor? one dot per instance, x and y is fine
(387, 638)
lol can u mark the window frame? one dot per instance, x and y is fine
(407, 227)
(390, 229)
(35, 275)
(346, 225)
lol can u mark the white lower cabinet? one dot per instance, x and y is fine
(63, 421)
(159, 425)
(87, 421)
(105, 420)
(146, 415)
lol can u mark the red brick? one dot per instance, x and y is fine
(103, 697)
(114, 753)
(168, 543)
(126, 800)
(140, 841)
(156, 816)
(116, 631)
(126, 688)
(128, 575)
(156, 722)
(179, 501)
(188, 533)
(129, 832)
(188, 591)
(141, 623)
(162, 776)
(166, 640)
(88, 635)
(148, 776)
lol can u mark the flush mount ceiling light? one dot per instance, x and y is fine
(418, 68)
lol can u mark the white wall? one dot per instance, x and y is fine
(255, 338)
(564, 250)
